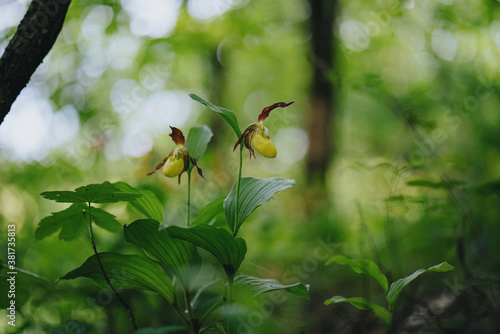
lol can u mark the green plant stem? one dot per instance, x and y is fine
(129, 311)
(178, 309)
(189, 198)
(390, 230)
(210, 310)
(181, 316)
(236, 205)
(230, 289)
(229, 300)
(194, 323)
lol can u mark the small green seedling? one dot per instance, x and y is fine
(391, 293)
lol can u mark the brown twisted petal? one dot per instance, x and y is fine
(248, 144)
(177, 136)
(161, 164)
(247, 137)
(195, 163)
(185, 157)
(267, 110)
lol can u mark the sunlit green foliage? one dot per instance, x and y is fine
(414, 180)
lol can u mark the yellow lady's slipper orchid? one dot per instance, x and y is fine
(264, 145)
(174, 165)
(257, 134)
(177, 162)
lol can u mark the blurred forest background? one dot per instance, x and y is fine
(394, 142)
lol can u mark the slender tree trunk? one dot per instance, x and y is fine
(322, 97)
(35, 36)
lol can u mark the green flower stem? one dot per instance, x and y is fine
(194, 322)
(229, 300)
(189, 198)
(181, 316)
(177, 308)
(235, 232)
(210, 310)
(129, 311)
(230, 289)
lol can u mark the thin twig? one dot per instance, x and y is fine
(189, 198)
(236, 205)
(129, 311)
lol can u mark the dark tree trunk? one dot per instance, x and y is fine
(322, 98)
(33, 39)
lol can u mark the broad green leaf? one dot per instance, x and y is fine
(396, 198)
(178, 255)
(146, 204)
(72, 327)
(218, 327)
(95, 193)
(54, 330)
(197, 141)
(226, 114)
(70, 221)
(105, 220)
(363, 267)
(487, 188)
(209, 212)
(400, 284)
(161, 330)
(258, 286)
(126, 272)
(362, 304)
(253, 193)
(434, 185)
(425, 183)
(26, 282)
(228, 250)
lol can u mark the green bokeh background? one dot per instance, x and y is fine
(413, 181)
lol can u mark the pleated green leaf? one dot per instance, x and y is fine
(26, 282)
(146, 204)
(197, 141)
(95, 193)
(226, 114)
(258, 286)
(363, 267)
(209, 212)
(126, 272)
(400, 284)
(253, 193)
(362, 304)
(228, 250)
(178, 255)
